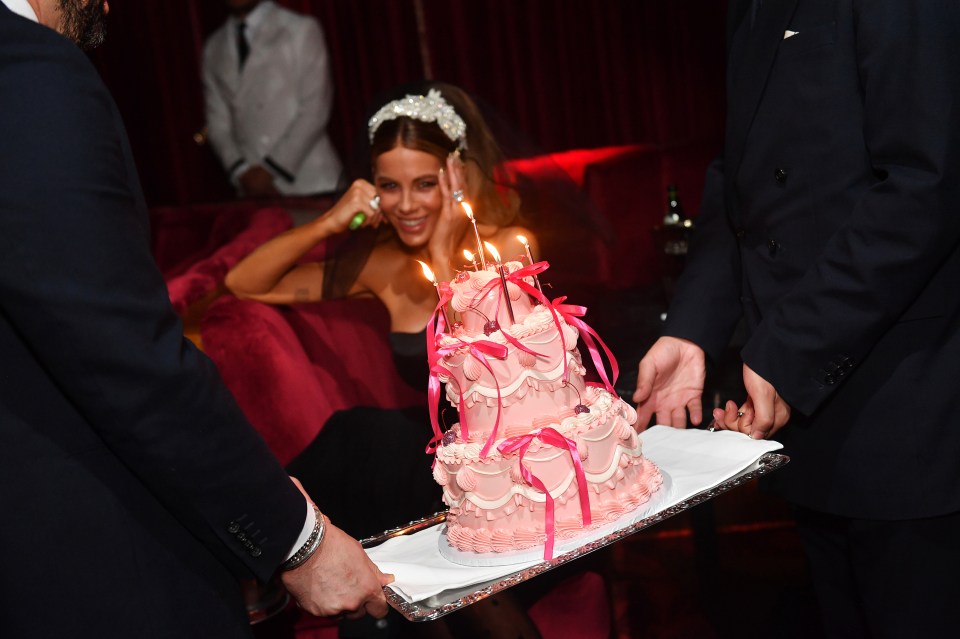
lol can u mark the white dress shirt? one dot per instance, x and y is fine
(22, 8)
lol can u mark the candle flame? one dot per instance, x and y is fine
(523, 240)
(467, 254)
(427, 272)
(493, 251)
(466, 207)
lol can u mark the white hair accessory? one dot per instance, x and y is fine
(429, 108)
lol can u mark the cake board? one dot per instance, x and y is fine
(668, 441)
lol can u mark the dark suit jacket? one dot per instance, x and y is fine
(123, 460)
(834, 218)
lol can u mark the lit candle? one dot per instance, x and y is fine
(469, 210)
(470, 258)
(526, 245)
(503, 279)
(428, 273)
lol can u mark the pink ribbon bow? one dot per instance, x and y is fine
(571, 315)
(550, 437)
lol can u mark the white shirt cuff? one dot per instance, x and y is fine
(308, 525)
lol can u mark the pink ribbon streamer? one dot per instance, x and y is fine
(479, 350)
(435, 354)
(571, 315)
(495, 283)
(435, 329)
(551, 437)
(528, 271)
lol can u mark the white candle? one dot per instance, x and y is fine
(469, 210)
(470, 258)
(428, 273)
(503, 279)
(526, 245)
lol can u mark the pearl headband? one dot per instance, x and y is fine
(429, 108)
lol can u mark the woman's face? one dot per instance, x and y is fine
(408, 183)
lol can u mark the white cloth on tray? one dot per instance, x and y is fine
(696, 460)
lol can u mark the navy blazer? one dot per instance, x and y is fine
(133, 492)
(833, 218)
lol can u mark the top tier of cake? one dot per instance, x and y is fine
(536, 373)
(477, 296)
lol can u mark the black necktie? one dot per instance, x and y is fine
(243, 47)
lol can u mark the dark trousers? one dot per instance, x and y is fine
(884, 579)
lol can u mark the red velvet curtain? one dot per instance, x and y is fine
(568, 73)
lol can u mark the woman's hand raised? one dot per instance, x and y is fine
(359, 200)
(453, 222)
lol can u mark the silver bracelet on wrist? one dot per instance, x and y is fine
(310, 546)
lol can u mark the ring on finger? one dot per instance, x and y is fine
(457, 195)
(739, 414)
(375, 203)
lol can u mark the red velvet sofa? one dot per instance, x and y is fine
(195, 246)
(291, 368)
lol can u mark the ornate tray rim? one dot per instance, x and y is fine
(452, 600)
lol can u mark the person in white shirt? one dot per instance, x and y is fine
(269, 94)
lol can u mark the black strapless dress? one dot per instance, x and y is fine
(367, 470)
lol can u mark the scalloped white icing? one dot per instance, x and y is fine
(602, 406)
(534, 495)
(538, 321)
(486, 392)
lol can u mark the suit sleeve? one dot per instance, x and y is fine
(877, 264)
(705, 307)
(78, 283)
(315, 100)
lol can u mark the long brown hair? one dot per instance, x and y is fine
(493, 198)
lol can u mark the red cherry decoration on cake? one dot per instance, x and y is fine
(448, 438)
(580, 409)
(490, 327)
(461, 277)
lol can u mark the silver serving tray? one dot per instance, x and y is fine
(454, 599)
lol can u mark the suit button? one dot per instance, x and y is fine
(772, 246)
(780, 175)
(233, 527)
(256, 552)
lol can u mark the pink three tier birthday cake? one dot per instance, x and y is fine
(538, 456)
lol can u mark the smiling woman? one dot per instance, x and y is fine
(429, 148)
(425, 149)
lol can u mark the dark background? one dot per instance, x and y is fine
(567, 73)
